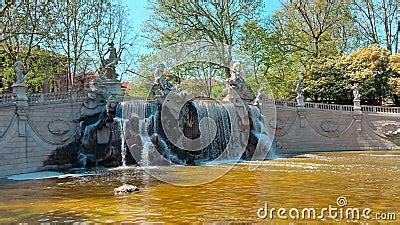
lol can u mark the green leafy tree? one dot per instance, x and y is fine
(215, 22)
(377, 22)
(372, 68)
(272, 67)
(42, 67)
(315, 28)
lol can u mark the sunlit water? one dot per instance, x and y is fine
(366, 179)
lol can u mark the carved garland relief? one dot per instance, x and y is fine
(59, 127)
(329, 126)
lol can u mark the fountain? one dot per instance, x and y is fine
(203, 130)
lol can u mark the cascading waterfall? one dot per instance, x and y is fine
(222, 146)
(146, 141)
(82, 160)
(264, 143)
(121, 123)
(148, 116)
(225, 146)
(140, 109)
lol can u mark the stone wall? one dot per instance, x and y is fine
(30, 140)
(301, 130)
(43, 135)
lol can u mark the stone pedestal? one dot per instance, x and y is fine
(301, 112)
(110, 88)
(358, 114)
(20, 91)
(22, 107)
(357, 105)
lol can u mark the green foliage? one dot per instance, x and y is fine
(40, 63)
(218, 90)
(140, 89)
(273, 69)
(332, 79)
(394, 62)
(315, 28)
(326, 82)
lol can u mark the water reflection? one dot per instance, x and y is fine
(366, 179)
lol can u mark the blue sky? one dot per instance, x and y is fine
(139, 14)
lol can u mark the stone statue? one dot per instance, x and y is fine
(162, 86)
(259, 98)
(237, 83)
(158, 73)
(19, 71)
(111, 62)
(299, 85)
(356, 93)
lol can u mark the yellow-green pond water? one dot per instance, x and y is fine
(365, 179)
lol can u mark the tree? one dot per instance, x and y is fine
(200, 77)
(112, 26)
(378, 22)
(394, 63)
(326, 81)
(272, 66)
(315, 28)
(74, 24)
(43, 66)
(372, 68)
(78, 29)
(25, 26)
(215, 22)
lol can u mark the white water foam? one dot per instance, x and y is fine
(42, 175)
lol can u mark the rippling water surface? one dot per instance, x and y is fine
(365, 179)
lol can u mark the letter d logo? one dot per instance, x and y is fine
(262, 213)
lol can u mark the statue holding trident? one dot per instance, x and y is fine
(110, 63)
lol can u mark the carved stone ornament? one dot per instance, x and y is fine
(278, 124)
(390, 129)
(329, 126)
(59, 127)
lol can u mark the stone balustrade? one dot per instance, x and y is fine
(61, 97)
(7, 99)
(331, 107)
(335, 107)
(57, 97)
(380, 109)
